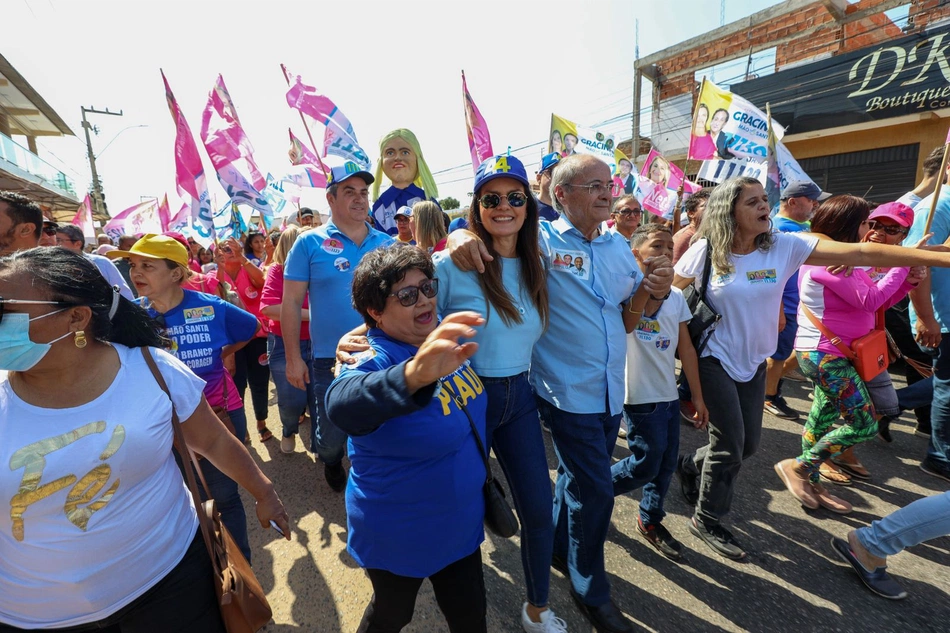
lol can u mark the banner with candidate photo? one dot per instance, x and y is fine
(658, 184)
(568, 138)
(726, 126)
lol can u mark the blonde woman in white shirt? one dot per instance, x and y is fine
(101, 530)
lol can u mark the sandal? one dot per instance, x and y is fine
(832, 475)
(265, 433)
(855, 469)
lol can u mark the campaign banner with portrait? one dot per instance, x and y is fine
(726, 126)
(568, 138)
(658, 184)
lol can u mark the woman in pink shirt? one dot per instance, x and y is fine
(846, 306)
(291, 402)
(248, 280)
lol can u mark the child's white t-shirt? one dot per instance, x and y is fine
(651, 368)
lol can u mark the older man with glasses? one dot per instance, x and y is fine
(626, 215)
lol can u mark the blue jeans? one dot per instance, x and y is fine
(922, 520)
(583, 495)
(224, 490)
(326, 439)
(291, 402)
(919, 394)
(653, 436)
(939, 450)
(512, 431)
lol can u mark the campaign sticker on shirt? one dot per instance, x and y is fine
(332, 246)
(722, 280)
(251, 293)
(342, 264)
(662, 342)
(647, 329)
(765, 276)
(574, 262)
(197, 315)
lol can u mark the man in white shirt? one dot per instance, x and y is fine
(70, 236)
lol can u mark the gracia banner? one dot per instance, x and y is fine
(568, 138)
(727, 126)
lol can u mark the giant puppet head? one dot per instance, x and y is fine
(400, 158)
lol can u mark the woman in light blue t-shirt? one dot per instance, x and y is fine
(512, 294)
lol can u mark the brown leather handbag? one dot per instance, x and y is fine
(244, 607)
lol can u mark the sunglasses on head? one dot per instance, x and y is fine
(890, 229)
(4, 302)
(409, 295)
(492, 200)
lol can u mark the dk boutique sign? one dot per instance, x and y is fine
(904, 76)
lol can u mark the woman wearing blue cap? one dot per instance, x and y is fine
(512, 294)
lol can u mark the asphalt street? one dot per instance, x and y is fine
(790, 581)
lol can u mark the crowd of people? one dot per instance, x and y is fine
(417, 347)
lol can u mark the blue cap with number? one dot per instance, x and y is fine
(503, 166)
(348, 170)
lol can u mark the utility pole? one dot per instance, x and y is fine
(98, 202)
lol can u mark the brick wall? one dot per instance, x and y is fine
(820, 35)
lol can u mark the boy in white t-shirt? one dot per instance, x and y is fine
(651, 406)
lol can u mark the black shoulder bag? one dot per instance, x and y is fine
(499, 517)
(704, 317)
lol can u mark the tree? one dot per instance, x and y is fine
(449, 203)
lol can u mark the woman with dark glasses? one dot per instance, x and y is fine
(512, 293)
(411, 406)
(203, 328)
(101, 534)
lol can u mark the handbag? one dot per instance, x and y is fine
(241, 599)
(499, 517)
(869, 354)
(705, 317)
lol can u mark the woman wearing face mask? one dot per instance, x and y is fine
(202, 328)
(102, 533)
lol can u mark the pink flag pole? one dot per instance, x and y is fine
(307, 128)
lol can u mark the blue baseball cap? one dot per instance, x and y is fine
(548, 161)
(348, 170)
(405, 210)
(503, 166)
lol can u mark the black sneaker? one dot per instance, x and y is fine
(689, 483)
(884, 429)
(718, 538)
(335, 476)
(931, 467)
(923, 430)
(777, 406)
(660, 538)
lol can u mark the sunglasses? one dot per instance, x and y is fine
(491, 200)
(49, 230)
(627, 212)
(4, 302)
(409, 295)
(890, 229)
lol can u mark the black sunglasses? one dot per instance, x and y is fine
(491, 200)
(890, 229)
(409, 295)
(4, 302)
(49, 230)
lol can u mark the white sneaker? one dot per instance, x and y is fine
(288, 444)
(549, 622)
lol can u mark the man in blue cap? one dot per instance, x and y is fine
(403, 220)
(321, 263)
(545, 209)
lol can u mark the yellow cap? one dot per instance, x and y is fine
(156, 247)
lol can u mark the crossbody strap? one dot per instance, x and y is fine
(188, 458)
(833, 338)
(478, 440)
(707, 269)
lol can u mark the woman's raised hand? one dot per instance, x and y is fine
(441, 353)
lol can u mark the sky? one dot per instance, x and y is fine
(386, 64)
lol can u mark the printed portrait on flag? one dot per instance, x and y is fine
(567, 138)
(658, 183)
(727, 126)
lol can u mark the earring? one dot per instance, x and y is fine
(80, 339)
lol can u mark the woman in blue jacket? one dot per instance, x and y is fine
(411, 405)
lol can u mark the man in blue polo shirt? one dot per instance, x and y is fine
(321, 263)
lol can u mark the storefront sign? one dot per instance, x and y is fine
(903, 76)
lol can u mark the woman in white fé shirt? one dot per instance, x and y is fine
(101, 531)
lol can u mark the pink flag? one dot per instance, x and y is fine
(83, 218)
(136, 220)
(231, 151)
(181, 221)
(190, 175)
(339, 138)
(164, 214)
(479, 141)
(311, 174)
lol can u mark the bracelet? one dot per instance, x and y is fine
(633, 311)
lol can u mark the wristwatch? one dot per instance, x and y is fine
(664, 297)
